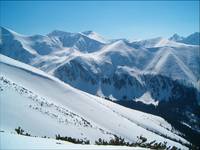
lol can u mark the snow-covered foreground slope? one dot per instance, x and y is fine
(13, 141)
(44, 106)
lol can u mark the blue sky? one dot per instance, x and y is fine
(113, 19)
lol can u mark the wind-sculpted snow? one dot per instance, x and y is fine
(56, 108)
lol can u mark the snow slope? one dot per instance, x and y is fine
(157, 42)
(78, 41)
(147, 99)
(13, 141)
(56, 108)
(95, 36)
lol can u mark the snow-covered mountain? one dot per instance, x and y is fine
(95, 36)
(39, 45)
(159, 72)
(114, 70)
(156, 42)
(48, 106)
(193, 39)
(77, 41)
(176, 37)
(16, 46)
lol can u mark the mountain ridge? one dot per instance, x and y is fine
(193, 39)
(149, 56)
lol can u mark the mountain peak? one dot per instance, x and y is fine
(193, 39)
(195, 35)
(88, 32)
(95, 36)
(176, 37)
(58, 33)
(8, 31)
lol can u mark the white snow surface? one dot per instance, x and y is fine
(14, 141)
(95, 36)
(159, 42)
(44, 106)
(147, 99)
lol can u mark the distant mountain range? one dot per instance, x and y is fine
(85, 60)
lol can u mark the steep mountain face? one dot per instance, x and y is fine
(61, 113)
(43, 45)
(76, 40)
(176, 37)
(193, 39)
(14, 45)
(117, 63)
(26, 48)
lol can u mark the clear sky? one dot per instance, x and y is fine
(113, 19)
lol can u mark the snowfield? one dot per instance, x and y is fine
(14, 141)
(147, 99)
(45, 106)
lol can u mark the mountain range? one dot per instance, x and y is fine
(97, 67)
(159, 76)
